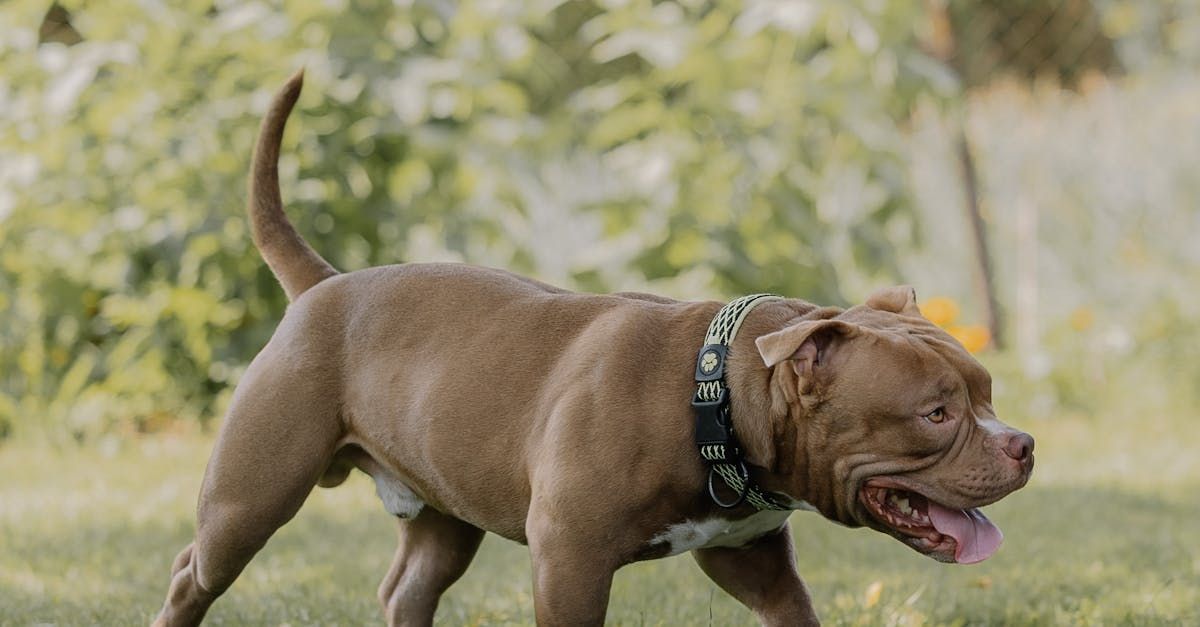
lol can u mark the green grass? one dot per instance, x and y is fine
(1106, 533)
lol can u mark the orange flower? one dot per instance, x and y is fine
(973, 337)
(1082, 319)
(940, 310)
(871, 597)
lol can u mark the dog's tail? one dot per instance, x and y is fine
(296, 265)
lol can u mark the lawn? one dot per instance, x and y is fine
(1107, 532)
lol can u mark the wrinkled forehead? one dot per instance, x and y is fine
(927, 348)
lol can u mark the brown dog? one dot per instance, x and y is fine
(479, 401)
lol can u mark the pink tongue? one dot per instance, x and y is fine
(976, 536)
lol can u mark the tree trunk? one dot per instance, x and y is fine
(985, 278)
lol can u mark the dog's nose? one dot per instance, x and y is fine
(1019, 447)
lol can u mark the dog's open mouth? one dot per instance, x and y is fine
(965, 536)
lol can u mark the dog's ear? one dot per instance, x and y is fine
(806, 344)
(901, 299)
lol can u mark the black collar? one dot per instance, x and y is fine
(714, 425)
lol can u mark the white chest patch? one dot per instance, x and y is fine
(397, 499)
(713, 532)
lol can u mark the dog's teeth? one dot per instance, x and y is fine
(904, 507)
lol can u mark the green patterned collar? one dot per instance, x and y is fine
(714, 425)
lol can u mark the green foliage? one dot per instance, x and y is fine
(690, 147)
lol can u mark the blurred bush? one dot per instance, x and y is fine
(697, 148)
(692, 148)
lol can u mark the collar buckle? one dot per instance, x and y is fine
(714, 430)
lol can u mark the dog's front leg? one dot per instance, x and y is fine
(572, 574)
(763, 577)
(570, 586)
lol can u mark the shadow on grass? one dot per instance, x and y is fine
(1083, 555)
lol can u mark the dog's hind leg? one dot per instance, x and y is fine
(278, 438)
(435, 550)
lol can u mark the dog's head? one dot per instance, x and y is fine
(895, 421)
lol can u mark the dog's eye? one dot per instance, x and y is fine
(936, 415)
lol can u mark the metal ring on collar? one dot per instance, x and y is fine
(712, 492)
